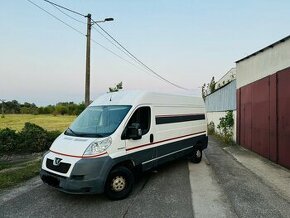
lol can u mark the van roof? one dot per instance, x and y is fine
(145, 97)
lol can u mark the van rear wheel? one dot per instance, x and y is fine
(196, 155)
(119, 183)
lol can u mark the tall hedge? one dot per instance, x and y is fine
(9, 140)
(32, 138)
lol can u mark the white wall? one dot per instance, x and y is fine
(229, 76)
(215, 117)
(263, 64)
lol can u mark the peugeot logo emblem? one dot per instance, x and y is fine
(56, 161)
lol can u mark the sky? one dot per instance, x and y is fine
(186, 41)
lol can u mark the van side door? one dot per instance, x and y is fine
(139, 139)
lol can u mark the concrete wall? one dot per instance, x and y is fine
(229, 76)
(215, 117)
(264, 63)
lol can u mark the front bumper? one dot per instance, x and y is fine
(88, 176)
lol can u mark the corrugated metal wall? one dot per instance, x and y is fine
(219, 102)
(223, 99)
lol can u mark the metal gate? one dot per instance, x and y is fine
(255, 117)
(246, 117)
(264, 117)
(261, 117)
(283, 99)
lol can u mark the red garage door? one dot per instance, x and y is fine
(255, 117)
(261, 117)
(264, 117)
(283, 99)
(246, 117)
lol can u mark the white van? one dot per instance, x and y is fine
(120, 133)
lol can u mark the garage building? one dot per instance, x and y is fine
(263, 102)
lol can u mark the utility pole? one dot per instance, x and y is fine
(88, 60)
(2, 100)
(90, 22)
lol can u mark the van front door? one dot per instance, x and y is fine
(139, 138)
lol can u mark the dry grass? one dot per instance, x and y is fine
(48, 122)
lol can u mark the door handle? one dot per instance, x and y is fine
(151, 138)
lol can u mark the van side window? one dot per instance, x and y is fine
(142, 116)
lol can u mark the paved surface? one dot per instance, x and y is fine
(272, 174)
(208, 197)
(249, 194)
(162, 194)
(229, 182)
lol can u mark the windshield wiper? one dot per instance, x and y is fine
(71, 132)
(75, 134)
(92, 135)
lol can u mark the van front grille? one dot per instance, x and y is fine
(61, 168)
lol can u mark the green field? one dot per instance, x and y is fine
(48, 122)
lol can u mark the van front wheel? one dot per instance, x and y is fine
(197, 155)
(119, 183)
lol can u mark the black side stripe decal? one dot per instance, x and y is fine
(178, 118)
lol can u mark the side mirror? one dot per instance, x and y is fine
(134, 131)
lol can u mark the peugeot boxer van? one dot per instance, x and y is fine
(120, 133)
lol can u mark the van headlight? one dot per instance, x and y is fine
(97, 146)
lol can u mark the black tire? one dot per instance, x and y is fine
(119, 183)
(196, 155)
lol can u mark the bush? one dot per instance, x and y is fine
(32, 138)
(211, 128)
(9, 140)
(226, 127)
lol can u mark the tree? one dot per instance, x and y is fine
(12, 107)
(203, 91)
(212, 85)
(118, 87)
(61, 109)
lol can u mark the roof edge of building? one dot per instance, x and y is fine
(265, 48)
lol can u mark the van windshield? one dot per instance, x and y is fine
(98, 121)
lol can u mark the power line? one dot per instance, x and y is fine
(128, 53)
(129, 62)
(55, 17)
(96, 31)
(99, 44)
(75, 12)
(54, 5)
(114, 44)
(148, 68)
(133, 56)
(68, 15)
(94, 41)
(57, 7)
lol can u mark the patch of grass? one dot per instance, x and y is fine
(48, 122)
(5, 166)
(15, 176)
(224, 143)
(18, 163)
